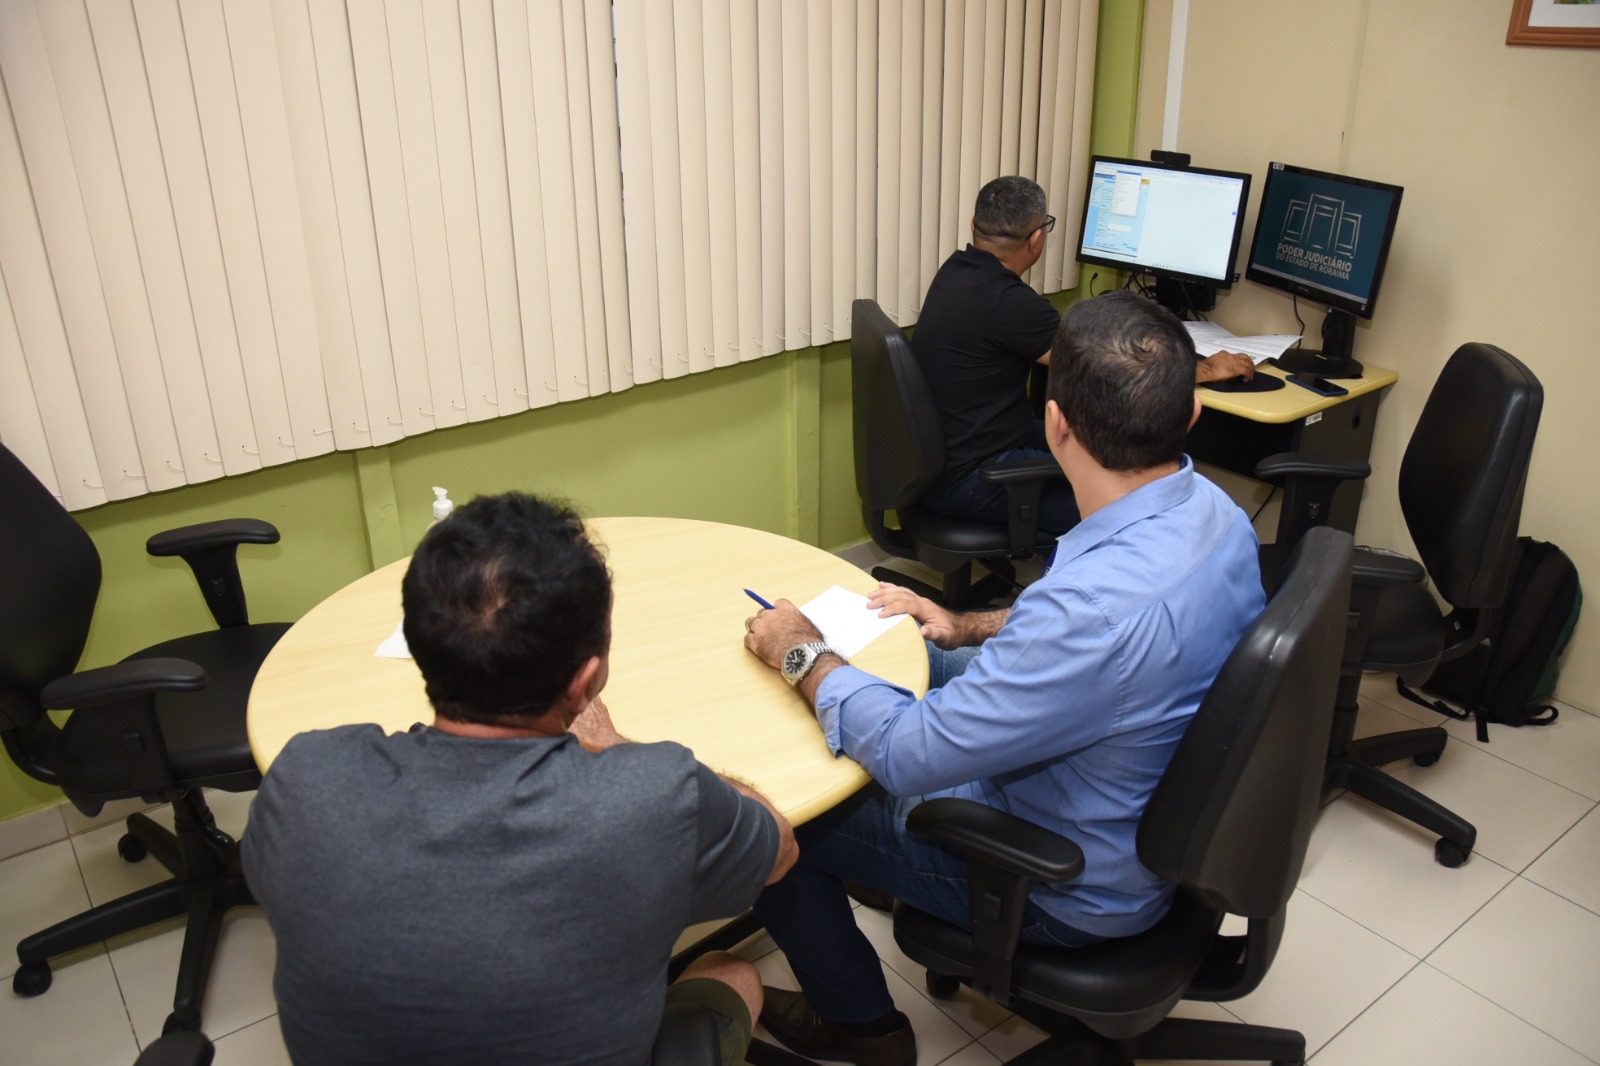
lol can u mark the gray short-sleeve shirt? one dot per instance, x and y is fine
(446, 899)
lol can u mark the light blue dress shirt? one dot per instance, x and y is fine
(1069, 715)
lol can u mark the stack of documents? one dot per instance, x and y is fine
(1210, 338)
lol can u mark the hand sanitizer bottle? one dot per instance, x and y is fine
(442, 505)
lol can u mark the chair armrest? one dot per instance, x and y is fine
(1309, 482)
(1010, 471)
(1375, 566)
(212, 535)
(1005, 856)
(1024, 481)
(1372, 571)
(122, 698)
(1275, 468)
(1004, 841)
(210, 549)
(121, 682)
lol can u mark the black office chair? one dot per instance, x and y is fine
(1229, 823)
(1461, 485)
(899, 452)
(162, 725)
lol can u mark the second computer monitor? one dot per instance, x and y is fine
(1174, 223)
(1325, 237)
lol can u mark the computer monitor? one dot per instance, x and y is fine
(1179, 224)
(1325, 237)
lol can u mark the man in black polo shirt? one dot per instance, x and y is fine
(981, 331)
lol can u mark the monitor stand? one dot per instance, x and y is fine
(1333, 361)
(1184, 298)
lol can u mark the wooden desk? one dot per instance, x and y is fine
(679, 669)
(1239, 429)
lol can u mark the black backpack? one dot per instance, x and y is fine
(1508, 676)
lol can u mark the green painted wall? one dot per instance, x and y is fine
(720, 446)
(764, 444)
(1116, 77)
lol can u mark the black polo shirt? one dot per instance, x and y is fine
(982, 329)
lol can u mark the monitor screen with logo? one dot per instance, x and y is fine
(1324, 236)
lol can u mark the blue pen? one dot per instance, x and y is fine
(758, 599)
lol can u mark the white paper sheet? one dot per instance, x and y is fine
(394, 645)
(847, 623)
(1210, 338)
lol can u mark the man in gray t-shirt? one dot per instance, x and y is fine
(507, 884)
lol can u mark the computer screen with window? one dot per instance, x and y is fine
(1176, 223)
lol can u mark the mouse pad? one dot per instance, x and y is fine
(1259, 383)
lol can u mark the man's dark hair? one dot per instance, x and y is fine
(1009, 209)
(504, 601)
(1122, 372)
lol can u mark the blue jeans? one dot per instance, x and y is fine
(865, 840)
(985, 501)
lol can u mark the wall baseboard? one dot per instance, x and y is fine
(38, 829)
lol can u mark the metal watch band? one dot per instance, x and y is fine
(815, 649)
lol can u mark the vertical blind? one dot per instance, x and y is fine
(235, 233)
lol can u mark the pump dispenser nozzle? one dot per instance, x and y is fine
(442, 504)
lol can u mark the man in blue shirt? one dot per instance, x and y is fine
(1063, 710)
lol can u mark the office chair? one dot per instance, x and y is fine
(163, 724)
(1461, 485)
(899, 452)
(1228, 823)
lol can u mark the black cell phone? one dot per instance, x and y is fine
(1318, 385)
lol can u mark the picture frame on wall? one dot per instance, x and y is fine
(1557, 23)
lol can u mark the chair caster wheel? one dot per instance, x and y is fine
(1426, 758)
(31, 979)
(174, 1024)
(1449, 853)
(131, 848)
(940, 986)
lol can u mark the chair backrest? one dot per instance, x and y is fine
(1232, 815)
(1464, 470)
(47, 596)
(899, 445)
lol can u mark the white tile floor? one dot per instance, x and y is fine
(1389, 958)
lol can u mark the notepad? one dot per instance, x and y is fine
(847, 623)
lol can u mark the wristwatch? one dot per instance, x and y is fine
(798, 660)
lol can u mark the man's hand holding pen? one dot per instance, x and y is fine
(770, 633)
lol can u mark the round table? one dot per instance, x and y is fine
(679, 669)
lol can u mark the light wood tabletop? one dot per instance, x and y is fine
(679, 669)
(1292, 403)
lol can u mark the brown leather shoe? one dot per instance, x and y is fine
(790, 1018)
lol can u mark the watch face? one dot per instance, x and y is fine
(794, 660)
